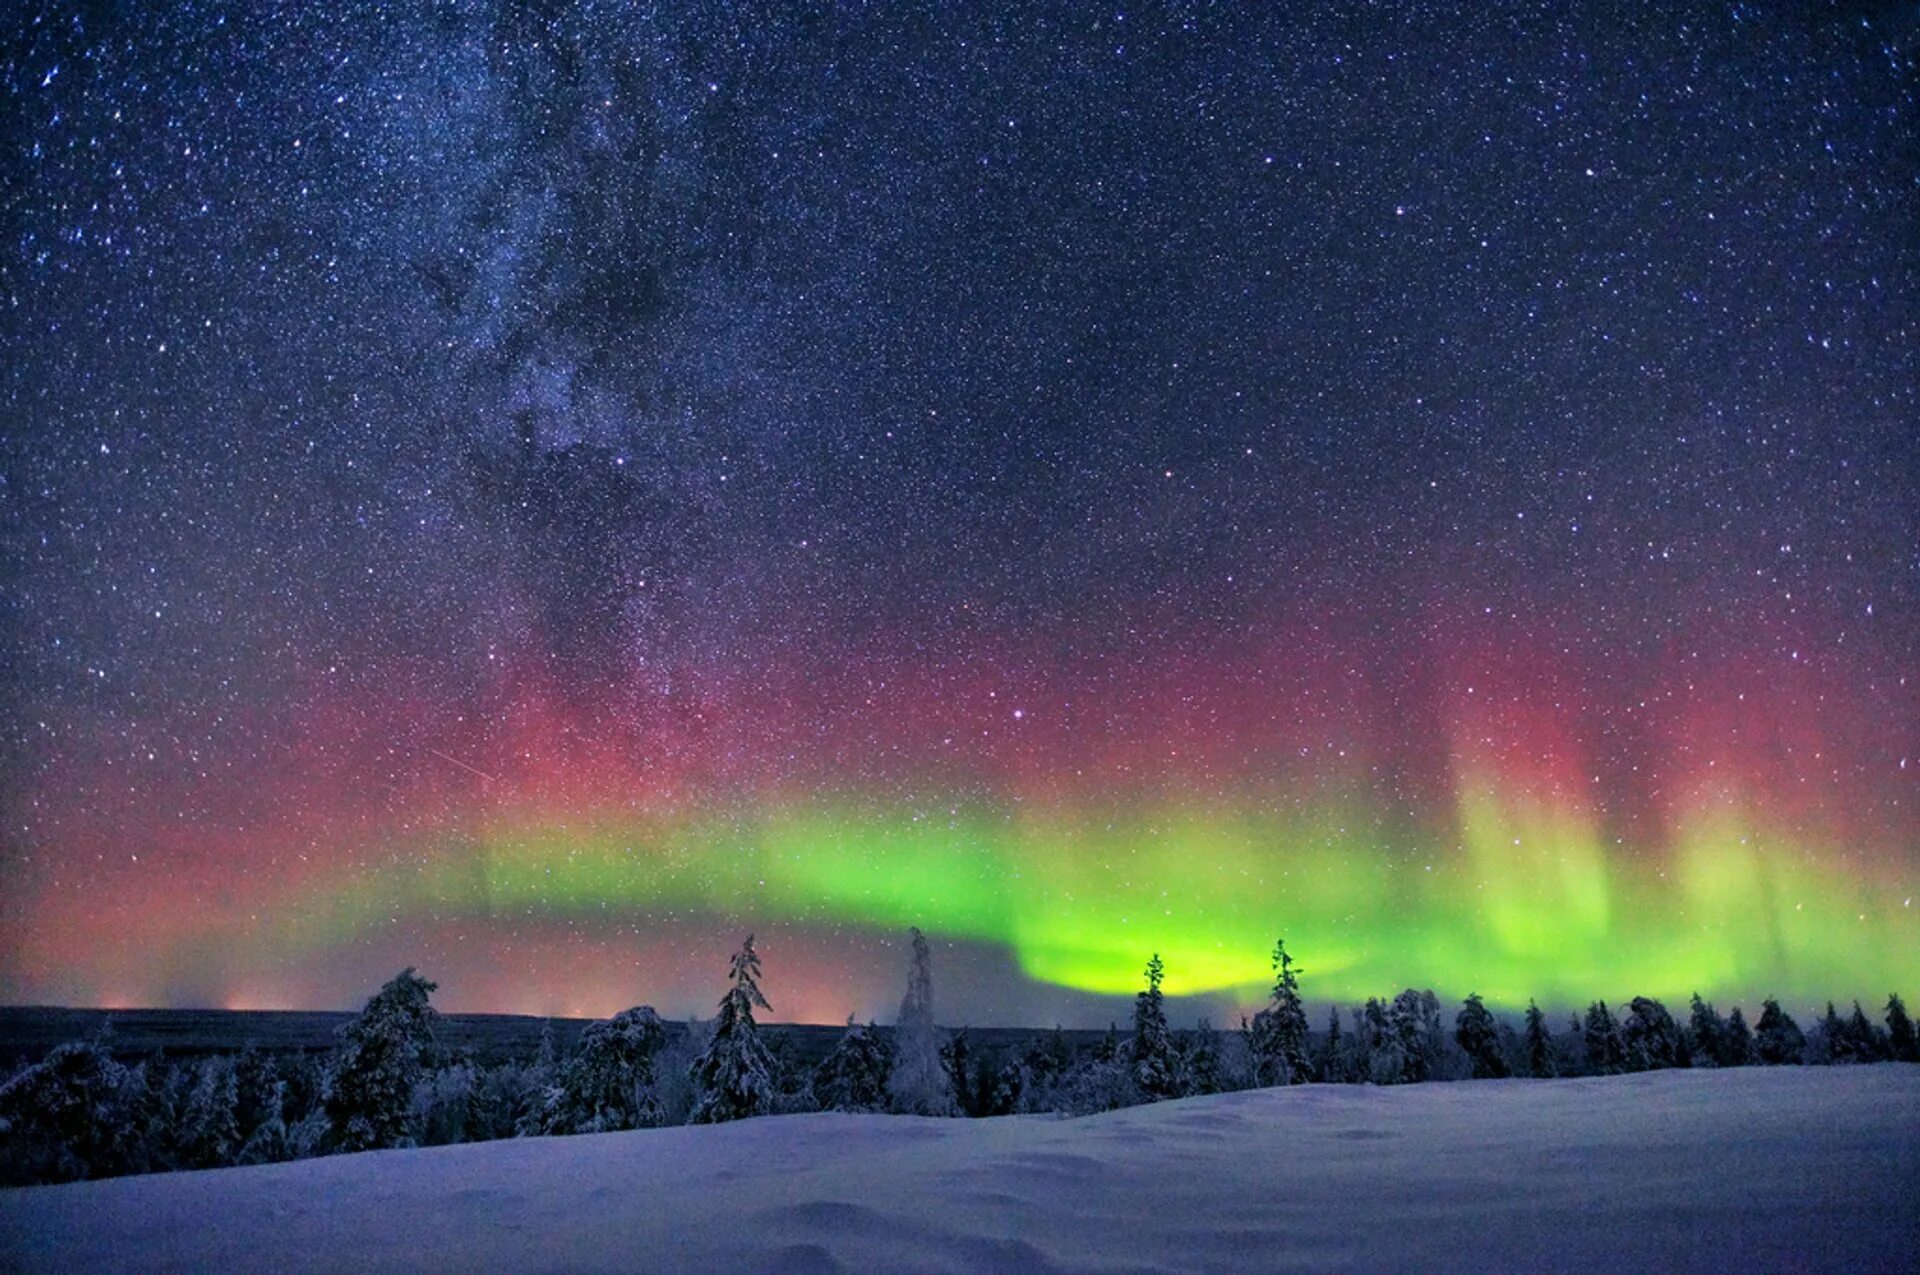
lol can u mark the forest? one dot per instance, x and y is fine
(81, 1112)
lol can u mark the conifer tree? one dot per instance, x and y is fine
(1277, 1037)
(1902, 1043)
(209, 1128)
(918, 1084)
(1383, 1059)
(1866, 1042)
(734, 1074)
(1478, 1035)
(1606, 1051)
(1777, 1039)
(1203, 1061)
(609, 1084)
(1738, 1040)
(957, 1057)
(1833, 1039)
(382, 1055)
(1333, 1060)
(1708, 1035)
(1651, 1037)
(853, 1077)
(1538, 1044)
(1151, 1048)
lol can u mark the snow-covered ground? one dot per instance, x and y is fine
(1757, 1169)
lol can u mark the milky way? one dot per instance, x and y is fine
(536, 492)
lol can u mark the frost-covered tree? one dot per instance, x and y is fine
(259, 1091)
(1869, 1043)
(1902, 1044)
(1706, 1035)
(1382, 1056)
(1478, 1035)
(734, 1076)
(1606, 1051)
(918, 1085)
(1777, 1039)
(208, 1133)
(1737, 1040)
(1651, 1037)
(853, 1077)
(1537, 1044)
(1333, 1066)
(369, 1095)
(1277, 1037)
(74, 1114)
(1831, 1043)
(609, 1083)
(1414, 1018)
(1201, 1062)
(1151, 1049)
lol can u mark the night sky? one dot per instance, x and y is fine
(537, 492)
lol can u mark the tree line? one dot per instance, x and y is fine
(81, 1113)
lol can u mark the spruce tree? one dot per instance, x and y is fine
(1151, 1049)
(1333, 1061)
(1277, 1037)
(382, 1055)
(609, 1084)
(853, 1077)
(734, 1074)
(1902, 1042)
(1708, 1035)
(1777, 1039)
(1538, 1044)
(1203, 1061)
(1838, 1045)
(209, 1128)
(1651, 1037)
(918, 1084)
(1738, 1040)
(1866, 1042)
(1478, 1035)
(1606, 1051)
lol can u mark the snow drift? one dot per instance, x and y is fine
(1758, 1168)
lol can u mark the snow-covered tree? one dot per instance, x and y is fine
(1277, 1036)
(1151, 1049)
(918, 1085)
(853, 1077)
(1651, 1037)
(1706, 1035)
(369, 1095)
(1414, 1018)
(1777, 1039)
(74, 1114)
(1478, 1035)
(208, 1133)
(734, 1075)
(609, 1083)
(1334, 1063)
(1902, 1044)
(1866, 1040)
(1382, 1056)
(259, 1090)
(1606, 1050)
(1737, 1040)
(1537, 1045)
(1200, 1063)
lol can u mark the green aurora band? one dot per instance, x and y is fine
(1526, 902)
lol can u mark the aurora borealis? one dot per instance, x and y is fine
(536, 491)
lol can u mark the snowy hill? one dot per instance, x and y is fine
(1760, 1168)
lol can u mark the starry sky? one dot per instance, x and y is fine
(537, 491)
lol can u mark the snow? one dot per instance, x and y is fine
(1758, 1168)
